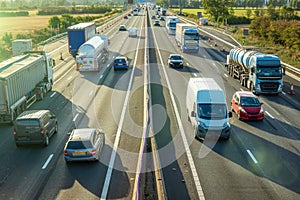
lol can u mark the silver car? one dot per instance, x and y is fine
(84, 145)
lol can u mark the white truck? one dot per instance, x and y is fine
(203, 21)
(171, 22)
(23, 80)
(91, 54)
(187, 37)
(207, 108)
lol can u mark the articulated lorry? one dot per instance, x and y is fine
(79, 34)
(92, 54)
(187, 37)
(261, 73)
(171, 22)
(23, 80)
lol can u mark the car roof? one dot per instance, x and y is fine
(82, 134)
(120, 57)
(245, 94)
(32, 114)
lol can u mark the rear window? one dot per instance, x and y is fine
(79, 145)
(120, 60)
(27, 122)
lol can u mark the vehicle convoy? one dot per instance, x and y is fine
(79, 34)
(261, 73)
(171, 22)
(23, 80)
(207, 109)
(187, 37)
(92, 54)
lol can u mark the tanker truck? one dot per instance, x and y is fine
(91, 54)
(23, 80)
(260, 73)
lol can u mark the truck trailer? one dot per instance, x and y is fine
(187, 37)
(171, 22)
(91, 54)
(261, 73)
(23, 80)
(79, 34)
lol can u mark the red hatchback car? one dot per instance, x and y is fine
(247, 106)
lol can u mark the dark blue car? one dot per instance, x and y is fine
(120, 63)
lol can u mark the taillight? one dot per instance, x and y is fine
(94, 151)
(15, 133)
(65, 153)
(42, 131)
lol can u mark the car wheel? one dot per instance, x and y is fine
(46, 143)
(56, 128)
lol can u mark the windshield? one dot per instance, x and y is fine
(191, 36)
(269, 71)
(172, 24)
(249, 102)
(212, 111)
(175, 58)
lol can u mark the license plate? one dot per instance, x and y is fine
(79, 153)
(120, 64)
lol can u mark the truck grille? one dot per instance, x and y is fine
(269, 87)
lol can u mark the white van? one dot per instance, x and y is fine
(207, 109)
(132, 32)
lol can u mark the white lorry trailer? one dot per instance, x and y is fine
(187, 37)
(207, 108)
(171, 22)
(91, 54)
(23, 80)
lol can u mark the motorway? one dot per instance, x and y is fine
(261, 160)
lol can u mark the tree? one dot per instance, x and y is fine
(249, 13)
(54, 22)
(218, 9)
(7, 38)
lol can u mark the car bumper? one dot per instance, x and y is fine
(246, 116)
(78, 159)
(120, 67)
(223, 133)
(176, 65)
(23, 142)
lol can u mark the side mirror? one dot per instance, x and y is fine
(230, 114)
(53, 117)
(193, 114)
(261, 103)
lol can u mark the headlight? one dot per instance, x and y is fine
(202, 124)
(242, 110)
(226, 124)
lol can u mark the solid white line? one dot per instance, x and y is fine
(91, 92)
(226, 75)
(180, 126)
(70, 78)
(194, 74)
(62, 76)
(118, 135)
(269, 114)
(252, 156)
(75, 117)
(51, 52)
(47, 162)
(52, 95)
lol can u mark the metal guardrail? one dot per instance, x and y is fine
(288, 67)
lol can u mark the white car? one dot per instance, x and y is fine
(132, 32)
(175, 61)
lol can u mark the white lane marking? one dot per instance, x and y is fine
(62, 76)
(70, 78)
(51, 52)
(226, 75)
(91, 92)
(204, 56)
(214, 64)
(241, 89)
(194, 74)
(107, 66)
(252, 156)
(101, 76)
(118, 135)
(113, 56)
(269, 114)
(138, 172)
(283, 93)
(47, 162)
(52, 95)
(180, 126)
(75, 117)
(187, 64)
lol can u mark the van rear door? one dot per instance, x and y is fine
(28, 129)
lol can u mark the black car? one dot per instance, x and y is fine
(156, 23)
(122, 28)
